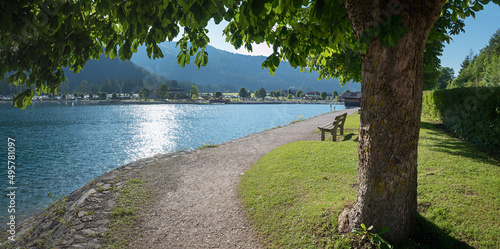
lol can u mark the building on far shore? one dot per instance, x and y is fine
(313, 94)
(351, 99)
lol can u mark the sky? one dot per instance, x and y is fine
(477, 34)
(217, 40)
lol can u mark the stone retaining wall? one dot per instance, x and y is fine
(82, 218)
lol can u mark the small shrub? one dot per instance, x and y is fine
(366, 234)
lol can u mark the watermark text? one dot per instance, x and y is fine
(11, 188)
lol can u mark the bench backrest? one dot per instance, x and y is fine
(340, 119)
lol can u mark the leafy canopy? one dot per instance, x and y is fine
(38, 39)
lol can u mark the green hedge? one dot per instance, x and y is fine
(471, 113)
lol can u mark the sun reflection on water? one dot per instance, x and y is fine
(154, 130)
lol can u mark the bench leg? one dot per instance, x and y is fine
(322, 135)
(334, 134)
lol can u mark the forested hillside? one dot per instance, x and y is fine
(481, 69)
(97, 71)
(103, 75)
(112, 75)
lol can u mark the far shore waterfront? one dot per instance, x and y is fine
(156, 102)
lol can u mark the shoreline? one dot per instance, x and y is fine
(70, 223)
(155, 102)
(97, 194)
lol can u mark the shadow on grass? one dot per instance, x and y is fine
(458, 147)
(349, 136)
(431, 236)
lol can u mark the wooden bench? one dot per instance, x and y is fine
(332, 127)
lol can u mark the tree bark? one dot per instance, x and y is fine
(392, 82)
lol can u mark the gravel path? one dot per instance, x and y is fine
(196, 205)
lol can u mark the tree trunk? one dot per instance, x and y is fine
(392, 82)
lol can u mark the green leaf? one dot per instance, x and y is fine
(385, 246)
(276, 60)
(282, 5)
(183, 58)
(113, 53)
(55, 24)
(319, 9)
(205, 58)
(125, 53)
(200, 15)
(149, 51)
(244, 22)
(257, 8)
(23, 99)
(121, 15)
(184, 43)
(192, 50)
(228, 16)
(363, 226)
(272, 70)
(270, 64)
(103, 7)
(477, 7)
(201, 59)
(297, 4)
(390, 40)
(473, 14)
(292, 40)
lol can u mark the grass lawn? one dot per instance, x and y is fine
(294, 194)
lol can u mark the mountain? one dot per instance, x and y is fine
(106, 75)
(227, 69)
(97, 71)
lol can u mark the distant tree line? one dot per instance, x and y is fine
(289, 94)
(110, 86)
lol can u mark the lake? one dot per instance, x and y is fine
(60, 147)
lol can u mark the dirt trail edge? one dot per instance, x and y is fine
(196, 204)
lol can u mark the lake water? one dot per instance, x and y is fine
(61, 147)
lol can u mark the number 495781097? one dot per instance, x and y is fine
(11, 156)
